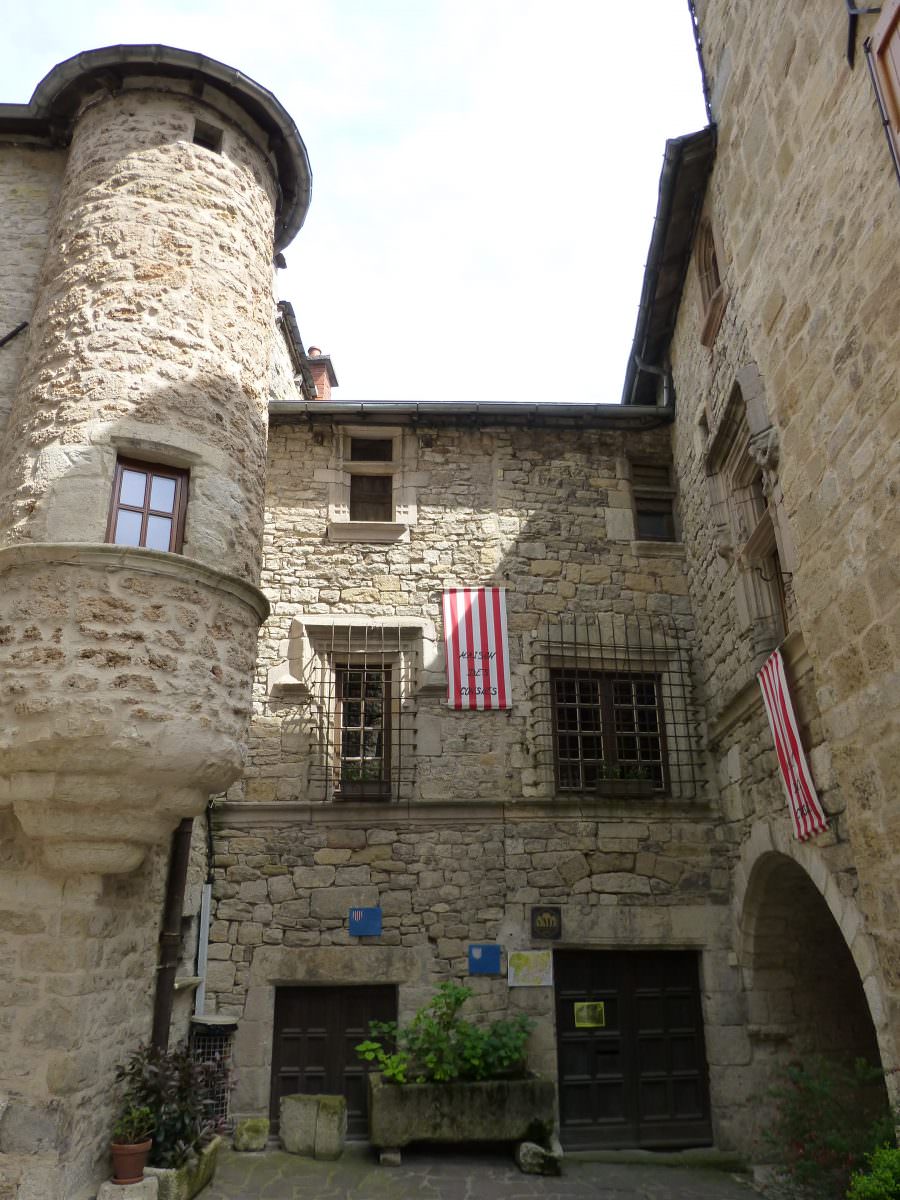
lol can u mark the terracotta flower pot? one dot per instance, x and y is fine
(129, 1160)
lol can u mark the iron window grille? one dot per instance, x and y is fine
(360, 680)
(614, 707)
(210, 1044)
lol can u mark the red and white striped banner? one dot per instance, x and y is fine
(477, 644)
(806, 811)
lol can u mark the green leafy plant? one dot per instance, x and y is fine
(439, 1046)
(178, 1092)
(829, 1116)
(134, 1124)
(882, 1180)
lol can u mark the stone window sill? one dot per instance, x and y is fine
(367, 531)
(658, 549)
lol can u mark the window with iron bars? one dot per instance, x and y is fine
(614, 707)
(363, 725)
(360, 681)
(609, 732)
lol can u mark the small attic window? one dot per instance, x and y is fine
(208, 136)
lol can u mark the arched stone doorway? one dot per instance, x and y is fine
(803, 987)
(804, 993)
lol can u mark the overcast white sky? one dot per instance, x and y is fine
(484, 171)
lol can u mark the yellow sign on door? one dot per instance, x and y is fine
(590, 1015)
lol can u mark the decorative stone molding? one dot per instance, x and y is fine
(310, 636)
(124, 680)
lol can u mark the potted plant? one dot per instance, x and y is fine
(179, 1093)
(445, 1079)
(131, 1142)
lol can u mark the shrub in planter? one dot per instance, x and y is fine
(179, 1093)
(829, 1116)
(439, 1046)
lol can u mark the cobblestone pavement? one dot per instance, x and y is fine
(275, 1175)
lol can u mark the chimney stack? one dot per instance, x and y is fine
(322, 373)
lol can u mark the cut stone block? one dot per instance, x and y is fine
(252, 1134)
(533, 1159)
(331, 1127)
(183, 1183)
(297, 1127)
(315, 1126)
(146, 1189)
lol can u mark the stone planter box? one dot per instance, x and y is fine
(182, 1183)
(498, 1110)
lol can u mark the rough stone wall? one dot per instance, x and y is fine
(546, 514)
(152, 330)
(803, 198)
(30, 178)
(125, 671)
(628, 879)
(77, 969)
(163, 643)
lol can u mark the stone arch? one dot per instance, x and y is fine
(809, 968)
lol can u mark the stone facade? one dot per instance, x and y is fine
(142, 260)
(813, 348)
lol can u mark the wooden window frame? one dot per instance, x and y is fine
(883, 53)
(179, 508)
(608, 733)
(657, 497)
(374, 789)
(366, 503)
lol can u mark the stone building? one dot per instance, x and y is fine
(145, 191)
(651, 554)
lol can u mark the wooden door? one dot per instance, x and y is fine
(632, 1064)
(316, 1029)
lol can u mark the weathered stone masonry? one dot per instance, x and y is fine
(143, 263)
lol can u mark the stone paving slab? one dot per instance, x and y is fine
(274, 1175)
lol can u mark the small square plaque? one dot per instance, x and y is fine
(484, 959)
(546, 922)
(364, 922)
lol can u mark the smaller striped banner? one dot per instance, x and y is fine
(477, 646)
(806, 811)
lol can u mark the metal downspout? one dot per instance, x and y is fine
(170, 934)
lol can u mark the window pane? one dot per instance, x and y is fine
(371, 450)
(128, 528)
(162, 494)
(159, 533)
(371, 498)
(350, 747)
(655, 524)
(134, 487)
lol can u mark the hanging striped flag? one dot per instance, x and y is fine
(806, 811)
(477, 645)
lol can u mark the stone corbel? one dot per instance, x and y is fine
(763, 448)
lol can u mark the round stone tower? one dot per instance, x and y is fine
(132, 470)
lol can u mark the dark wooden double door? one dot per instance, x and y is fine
(316, 1030)
(632, 1064)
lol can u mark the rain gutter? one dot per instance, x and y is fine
(488, 412)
